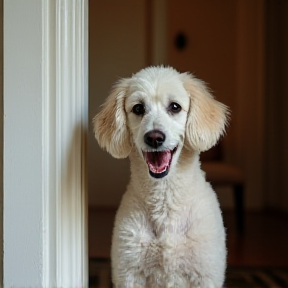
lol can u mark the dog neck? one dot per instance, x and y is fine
(166, 199)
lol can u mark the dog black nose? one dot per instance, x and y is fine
(154, 138)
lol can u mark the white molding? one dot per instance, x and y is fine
(44, 158)
(65, 82)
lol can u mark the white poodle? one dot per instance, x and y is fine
(168, 229)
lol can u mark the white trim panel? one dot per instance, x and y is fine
(65, 117)
(45, 126)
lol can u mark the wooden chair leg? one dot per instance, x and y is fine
(239, 207)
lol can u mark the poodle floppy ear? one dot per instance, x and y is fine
(207, 117)
(110, 124)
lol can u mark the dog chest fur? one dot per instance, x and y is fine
(166, 233)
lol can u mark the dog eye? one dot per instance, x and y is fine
(174, 108)
(138, 109)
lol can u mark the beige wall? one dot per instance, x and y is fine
(117, 48)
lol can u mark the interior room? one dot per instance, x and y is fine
(240, 49)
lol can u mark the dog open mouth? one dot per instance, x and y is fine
(159, 162)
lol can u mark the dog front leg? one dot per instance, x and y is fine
(189, 262)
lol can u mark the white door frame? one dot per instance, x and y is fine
(45, 126)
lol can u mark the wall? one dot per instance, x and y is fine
(249, 129)
(22, 105)
(1, 139)
(211, 50)
(276, 160)
(238, 47)
(285, 106)
(225, 42)
(159, 32)
(117, 48)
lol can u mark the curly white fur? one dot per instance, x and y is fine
(169, 231)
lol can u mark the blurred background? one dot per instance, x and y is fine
(240, 48)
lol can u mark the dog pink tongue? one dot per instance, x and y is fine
(158, 162)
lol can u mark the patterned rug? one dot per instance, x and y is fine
(237, 277)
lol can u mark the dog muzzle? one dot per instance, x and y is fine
(159, 162)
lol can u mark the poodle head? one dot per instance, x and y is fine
(159, 111)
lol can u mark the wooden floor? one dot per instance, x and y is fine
(264, 242)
